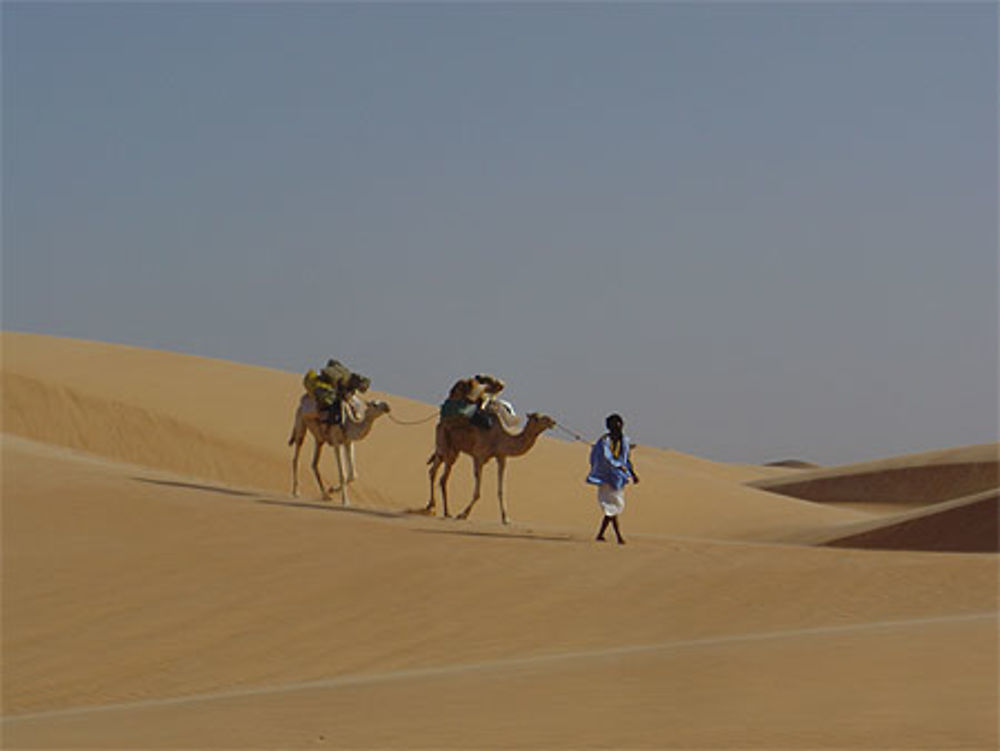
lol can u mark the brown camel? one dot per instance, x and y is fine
(456, 436)
(343, 436)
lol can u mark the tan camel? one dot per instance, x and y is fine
(340, 437)
(455, 436)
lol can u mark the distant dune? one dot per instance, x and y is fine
(939, 500)
(914, 479)
(162, 589)
(792, 464)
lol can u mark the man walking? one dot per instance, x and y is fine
(611, 470)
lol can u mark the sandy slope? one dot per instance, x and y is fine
(229, 423)
(161, 589)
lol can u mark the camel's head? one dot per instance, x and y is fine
(544, 422)
(379, 407)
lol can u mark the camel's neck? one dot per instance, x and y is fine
(521, 443)
(358, 430)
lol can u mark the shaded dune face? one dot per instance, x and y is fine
(943, 501)
(975, 471)
(968, 525)
(133, 432)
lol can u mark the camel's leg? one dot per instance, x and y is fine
(432, 473)
(337, 488)
(295, 467)
(477, 469)
(296, 439)
(340, 473)
(352, 474)
(315, 468)
(501, 468)
(442, 455)
(448, 464)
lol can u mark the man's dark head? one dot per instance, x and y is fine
(358, 382)
(491, 384)
(614, 423)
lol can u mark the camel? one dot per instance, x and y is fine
(455, 436)
(353, 429)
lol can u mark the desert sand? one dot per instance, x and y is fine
(162, 589)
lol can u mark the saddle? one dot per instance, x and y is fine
(483, 419)
(461, 409)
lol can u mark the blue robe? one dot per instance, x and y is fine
(605, 467)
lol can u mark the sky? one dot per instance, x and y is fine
(759, 231)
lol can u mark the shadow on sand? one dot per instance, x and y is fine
(332, 506)
(195, 486)
(499, 535)
(335, 507)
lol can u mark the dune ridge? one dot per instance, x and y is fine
(943, 500)
(115, 429)
(913, 479)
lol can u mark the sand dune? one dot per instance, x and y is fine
(229, 423)
(163, 590)
(793, 464)
(963, 525)
(914, 479)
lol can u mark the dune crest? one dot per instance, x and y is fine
(913, 479)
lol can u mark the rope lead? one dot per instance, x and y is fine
(413, 422)
(574, 436)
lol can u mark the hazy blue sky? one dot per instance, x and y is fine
(759, 231)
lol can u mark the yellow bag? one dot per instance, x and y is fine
(309, 381)
(324, 394)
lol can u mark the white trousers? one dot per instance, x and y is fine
(612, 501)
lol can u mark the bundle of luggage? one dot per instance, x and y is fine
(332, 389)
(469, 399)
